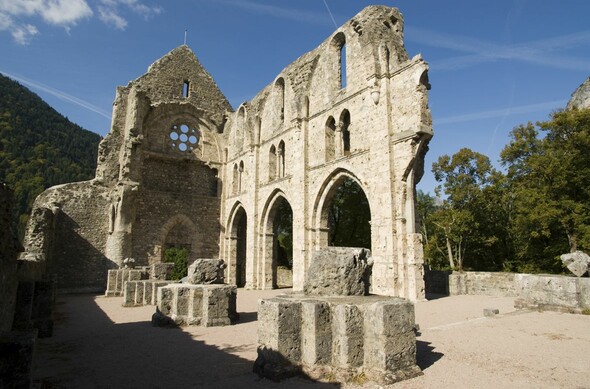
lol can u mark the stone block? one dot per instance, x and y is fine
(205, 305)
(280, 328)
(161, 271)
(206, 271)
(316, 333)
(577, 262)
(347, 336)
(339, 271)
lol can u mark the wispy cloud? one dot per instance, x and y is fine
(61, 13)
(280, 12)
(503, 112)
(59, 94)
(16, 16)
(111, 11)
(540, 52)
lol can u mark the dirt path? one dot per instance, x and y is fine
(99, 344)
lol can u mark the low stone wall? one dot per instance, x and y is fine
(543, 292)
(485, 283)
(342, 337)
(204, 305)
(142, 292)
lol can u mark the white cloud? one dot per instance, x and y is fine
(15, 15)
(110, 11)
(62, 13)
(23, 34)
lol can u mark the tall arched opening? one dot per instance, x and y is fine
(342, 213)
(278, 244)
(237, 248)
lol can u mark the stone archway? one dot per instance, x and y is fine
(237, 252)
(178, 232)
(342, 213)
(277, 248)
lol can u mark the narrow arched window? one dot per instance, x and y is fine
(280, 98)
(343, 66)
(240, 174)
(186, 89)
(235, 179)
(338, 48)
(344, 128)
(272, 163)
(281, 159)
(329, 139)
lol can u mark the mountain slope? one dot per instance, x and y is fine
(39, 147)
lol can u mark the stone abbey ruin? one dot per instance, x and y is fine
(181, 168)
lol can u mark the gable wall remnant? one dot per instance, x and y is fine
(181, 167)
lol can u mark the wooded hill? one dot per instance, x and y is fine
(39, 147)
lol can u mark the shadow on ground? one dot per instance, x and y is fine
(425, 354)
(88, 350)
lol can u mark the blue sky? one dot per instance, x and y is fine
(493, 64)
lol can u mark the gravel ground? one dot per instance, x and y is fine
(99, 344)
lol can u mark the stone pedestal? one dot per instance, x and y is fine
(142, 292)
(340, 337)
(204, 305)
(117, 278)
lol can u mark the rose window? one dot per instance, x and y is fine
(184, 138)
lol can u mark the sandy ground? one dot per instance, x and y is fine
(99, 344)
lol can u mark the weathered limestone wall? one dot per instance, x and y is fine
(302, 135)
(544, 292)
(75, 218)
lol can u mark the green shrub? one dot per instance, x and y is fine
(178, 256)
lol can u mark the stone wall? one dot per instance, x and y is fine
(306, 132)
(79, 224)
(484, 283)
(544, 292)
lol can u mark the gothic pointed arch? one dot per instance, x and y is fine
(179, 231)
(276, 224)
(237, 237)
(323, 205)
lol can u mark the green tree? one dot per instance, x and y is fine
(178, 256)
(461, 224)
(549, 177)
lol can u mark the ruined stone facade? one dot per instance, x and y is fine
(181, 168)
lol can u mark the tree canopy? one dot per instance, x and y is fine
(522, 219)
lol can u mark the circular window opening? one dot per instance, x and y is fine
(183, 137)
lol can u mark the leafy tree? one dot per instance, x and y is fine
(283, 225)
(349, 217)
(178, 256)
(461, 230)
(550, 179)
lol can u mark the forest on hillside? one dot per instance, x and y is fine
(39, 147)
(521, 218)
